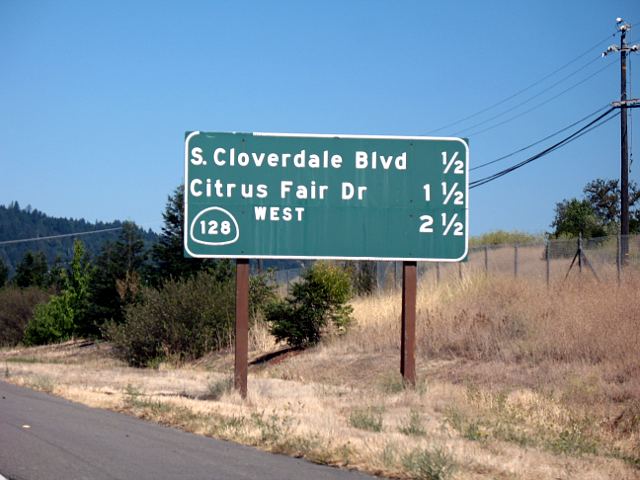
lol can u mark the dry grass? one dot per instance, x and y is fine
(515, 382)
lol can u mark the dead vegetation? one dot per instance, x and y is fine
(515, 381)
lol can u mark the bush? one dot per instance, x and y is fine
(429, 464)
(65, 314)
(501, 237)
(317, 303)
(17, 309)
(52, 321)
(366, 419)
(184, 319)
(262, 292)
(363, 276)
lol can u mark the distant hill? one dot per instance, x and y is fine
(22, 223)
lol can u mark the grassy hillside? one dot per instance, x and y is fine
(515, 382)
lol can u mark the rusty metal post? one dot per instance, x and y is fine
(515, 260)
(242, 326)
(408, 340)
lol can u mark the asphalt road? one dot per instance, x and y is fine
(44, 437)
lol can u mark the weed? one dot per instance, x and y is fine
(473, 432)
(344, 452)
(390, 455)
(217, 388)
(132, 395)
(455, 418)
(272, 428)
(366, 419)
(631, 460)
(43, 383)
(429, 464)
(7, 373)
(413, 425)
(392, 384)
(572, 440)
(19, 359)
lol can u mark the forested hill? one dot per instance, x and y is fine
(22, 223)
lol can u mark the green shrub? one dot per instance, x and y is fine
(217, 388)
(429, 464)
(65, 314)
(262, 292)
(366, 419)
(184, 319)
(17, 308)
(501, 237)
(413, 425)
(317, 303)
(52, 321)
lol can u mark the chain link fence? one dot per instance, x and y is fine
(611, 258)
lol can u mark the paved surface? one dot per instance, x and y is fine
(69, 441)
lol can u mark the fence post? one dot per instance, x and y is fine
(460, 270)
(618, 260)
(515, 260)
(438, 273)
(580, 252)
(395, 276)
(548, 273)
(486, 260)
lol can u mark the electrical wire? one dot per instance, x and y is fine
(597, 122)
(53, 237)
(545, 152)
(528, 87)
(535, 107)
(533, 97)
(557, 132)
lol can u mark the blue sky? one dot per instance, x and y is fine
(96, 96)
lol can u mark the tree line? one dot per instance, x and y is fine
(153, 303)
(17, 223)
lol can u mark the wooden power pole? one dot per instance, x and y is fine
(623, 104)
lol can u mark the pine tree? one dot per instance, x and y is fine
(168, 253)
(118, 276)
(4, 273)
(32, 270)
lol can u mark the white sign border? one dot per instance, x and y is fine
(324, 135)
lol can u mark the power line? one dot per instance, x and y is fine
(539, 141)
(52, 237)
(533, 97)
(574, 136)
(519, 92)
(541, 104)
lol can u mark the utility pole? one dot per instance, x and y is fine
(623, 104)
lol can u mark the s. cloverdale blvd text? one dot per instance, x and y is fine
(362, 160)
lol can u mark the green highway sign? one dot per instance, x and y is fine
(272, 195)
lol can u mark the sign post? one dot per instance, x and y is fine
(344, 197)
(408, 341)
(242, 327)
